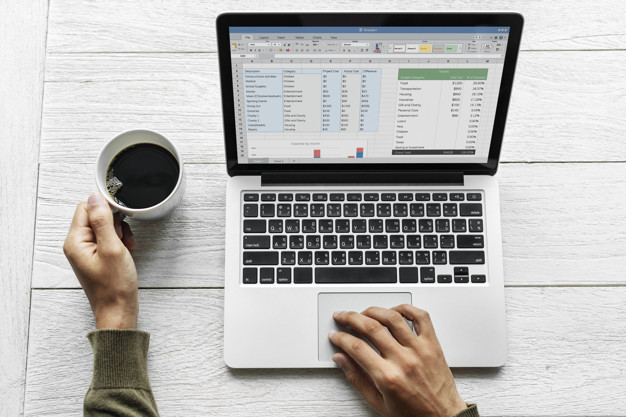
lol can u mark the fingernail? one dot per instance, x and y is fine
(331, 334)
(336, 313)
(339, 361)
(95, 199)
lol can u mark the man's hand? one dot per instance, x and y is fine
(410, 377)
(98, 248)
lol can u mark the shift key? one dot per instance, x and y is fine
(466, 257)
(260, 258)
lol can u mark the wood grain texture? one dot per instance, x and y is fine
(561, 362)
(561, 224)
(559, 110)
(180, 25)
(22, 56)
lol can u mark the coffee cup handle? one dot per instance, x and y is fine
(116, 210)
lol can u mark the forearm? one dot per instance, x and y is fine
(120, 385)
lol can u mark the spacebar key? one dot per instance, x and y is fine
(355, 275)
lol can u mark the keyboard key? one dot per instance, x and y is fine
(309, 226)
(283, 275)
(440, 197)
(433, 210)
(333, 210)
(405, 257)
(449, 210)
(292, 226)
(396, 241)
(417, 209)
(337, 197)
(346, 242)
(330, 242)
(442, 226)
(350, 210)
(303, 197)
(268, 197)
(250, 210)
(250, 197)
(440, 257)
(444, 279)
(355, 275)
(359, 226)
(296, 242)
(474, 197)
(320, 197)
(317, 210)
(413, 241)
(467, 257)
(325, 225)
(392, 225)
(266, 275)
(342, 226)
(471, 209)
(279, 242)
(354, 197)
(446, 242)
(313, 242)
(430, 241)
(355, 258)
(383, 210)
(388, 197)
(457, 197)
(425, 225)
(249, 276)
(254, 226)
(275, 226)
(380, 242)
(305, 257)
(283, 210)
(322, 258)
(285, 197)
(389, 257)
(475, 225)
(375, 226)
(422, 197)
(479, 279)
(288, 258)
(405, 197)
(371, 197)
(459, 226)
(408, 275)
(267, 210)
(303, 275)
(461, 275)
(363, 242)
(256, 242)
(338, 257)
(470, 241)
(372, 257)
(300, 210)
(260, 258)
(427, 275)
(400, 210)
(367, 210)
(409, 226)
(422, 257)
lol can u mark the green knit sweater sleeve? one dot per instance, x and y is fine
(470, 411)
(120, 385)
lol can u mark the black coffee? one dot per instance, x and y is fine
(142, 175)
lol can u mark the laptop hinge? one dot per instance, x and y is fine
(365, 177)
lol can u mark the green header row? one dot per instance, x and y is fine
(442, 74)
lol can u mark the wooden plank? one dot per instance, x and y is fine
(121, 26)
(560, 362)
(22, 42)
(555, 112)
(560, 226)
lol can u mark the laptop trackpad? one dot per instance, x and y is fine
(328, 303)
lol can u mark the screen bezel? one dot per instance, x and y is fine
(226, 20)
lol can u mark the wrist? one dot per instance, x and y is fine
(117, 317)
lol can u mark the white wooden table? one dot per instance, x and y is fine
(74, 73)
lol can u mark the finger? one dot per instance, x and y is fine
(127, 237)
(358, 350)
(370, 329)
(420, 318)
(101, 221)
(117, 221)
(393, 321)
(79, 231)
(360, 380)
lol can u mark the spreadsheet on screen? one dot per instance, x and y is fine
(366, 94)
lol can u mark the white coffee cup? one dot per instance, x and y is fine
(123, 141)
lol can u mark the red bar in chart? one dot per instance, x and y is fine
(317, 153)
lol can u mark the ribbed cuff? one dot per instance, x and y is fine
(119, 359)
(470, 411)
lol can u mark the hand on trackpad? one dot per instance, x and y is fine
(328, 303)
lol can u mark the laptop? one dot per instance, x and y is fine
(361, 151)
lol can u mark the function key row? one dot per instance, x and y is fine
(363, 196)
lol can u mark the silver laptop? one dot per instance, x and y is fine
(361, 150)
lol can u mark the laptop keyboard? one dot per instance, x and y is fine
(363, 238)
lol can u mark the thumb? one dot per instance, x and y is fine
(101, 221)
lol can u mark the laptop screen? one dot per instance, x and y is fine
(366, 94)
